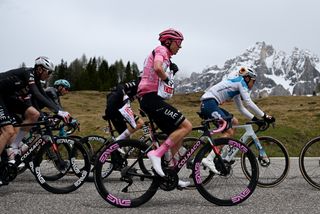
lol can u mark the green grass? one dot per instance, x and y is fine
(297, 117)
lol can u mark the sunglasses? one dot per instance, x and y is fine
(47, 70)
(178, 42)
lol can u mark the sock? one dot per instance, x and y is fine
(166, 145)
(123, 135)
(19, 137)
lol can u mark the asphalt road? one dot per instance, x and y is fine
(294, 195)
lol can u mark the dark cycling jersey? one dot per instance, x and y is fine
(22, 82)
(54, 95)
(116, 99)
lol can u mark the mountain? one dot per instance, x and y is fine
(278, 73)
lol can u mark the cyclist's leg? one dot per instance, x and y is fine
(6, 128)
(170, 121)
(30, 115)
(210, 109)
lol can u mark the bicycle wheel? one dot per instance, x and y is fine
(309, 162)
(185, 173)
(93, 145)
(276, 170)
(231, 186)
(75, 166)
(64, 151)
(120, 181)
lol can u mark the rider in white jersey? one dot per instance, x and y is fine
(237, 89)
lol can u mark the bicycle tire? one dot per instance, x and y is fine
(309, 162)
(272, 174)
(63, 148)
(93, 144)
(185, 173)
(231, 187)
(75, 175)
(126, 184)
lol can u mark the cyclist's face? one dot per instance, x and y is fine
(175, 46)
(251, 83)
(63, 90)
(43, 73)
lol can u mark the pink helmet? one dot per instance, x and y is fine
(170, 34)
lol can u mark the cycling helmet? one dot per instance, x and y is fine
(62, 82)
(247, 72)
(171, 34)
(131, 89)
(45, 62)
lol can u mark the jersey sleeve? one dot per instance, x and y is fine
(249, 103)
(44, 100)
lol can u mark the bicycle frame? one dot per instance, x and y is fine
(206, 134)
(250, 133)
(35, 142)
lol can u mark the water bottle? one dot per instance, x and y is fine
(23, 147)
(182, 151)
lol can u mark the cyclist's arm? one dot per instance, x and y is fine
(159, 70)
(241, 108)
(43, 99)
(158, 64)
(53, 96)
(249, 103)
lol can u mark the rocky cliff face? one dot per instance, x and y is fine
(278, 73)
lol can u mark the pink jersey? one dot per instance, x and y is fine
(149, 78)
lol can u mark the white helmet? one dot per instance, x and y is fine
(45, 62)
(247, 72)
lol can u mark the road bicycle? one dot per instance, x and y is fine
(309, 162)
(95, 143)
(49, 159)
(132, 186)
(272, 155)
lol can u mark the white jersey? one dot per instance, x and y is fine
(234, 89)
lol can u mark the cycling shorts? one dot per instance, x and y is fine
(5, 118)
(166, 117)
(210, 109)
(11, 105)
(119, 122)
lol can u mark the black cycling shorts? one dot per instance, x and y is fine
(167, 118)
(11, 105)
(5, 118)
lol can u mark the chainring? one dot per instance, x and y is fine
(170, 181)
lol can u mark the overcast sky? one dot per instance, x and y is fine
(214, 30)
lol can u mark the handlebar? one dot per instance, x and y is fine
(261, 124)
(222, 126)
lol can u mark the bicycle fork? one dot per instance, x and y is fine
(263, 157)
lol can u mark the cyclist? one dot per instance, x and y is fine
(237, 89)
(60, 88)
(16, 88)
(156, 85)
(118, 109)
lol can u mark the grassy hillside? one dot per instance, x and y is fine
(297, 118)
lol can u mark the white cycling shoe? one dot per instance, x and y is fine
(156, 163)
(210, 164)
(183, 184)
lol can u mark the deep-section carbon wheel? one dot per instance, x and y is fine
(119, 178)
(230, 186)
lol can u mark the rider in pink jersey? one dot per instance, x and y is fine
(156, 83)
(150, 79)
